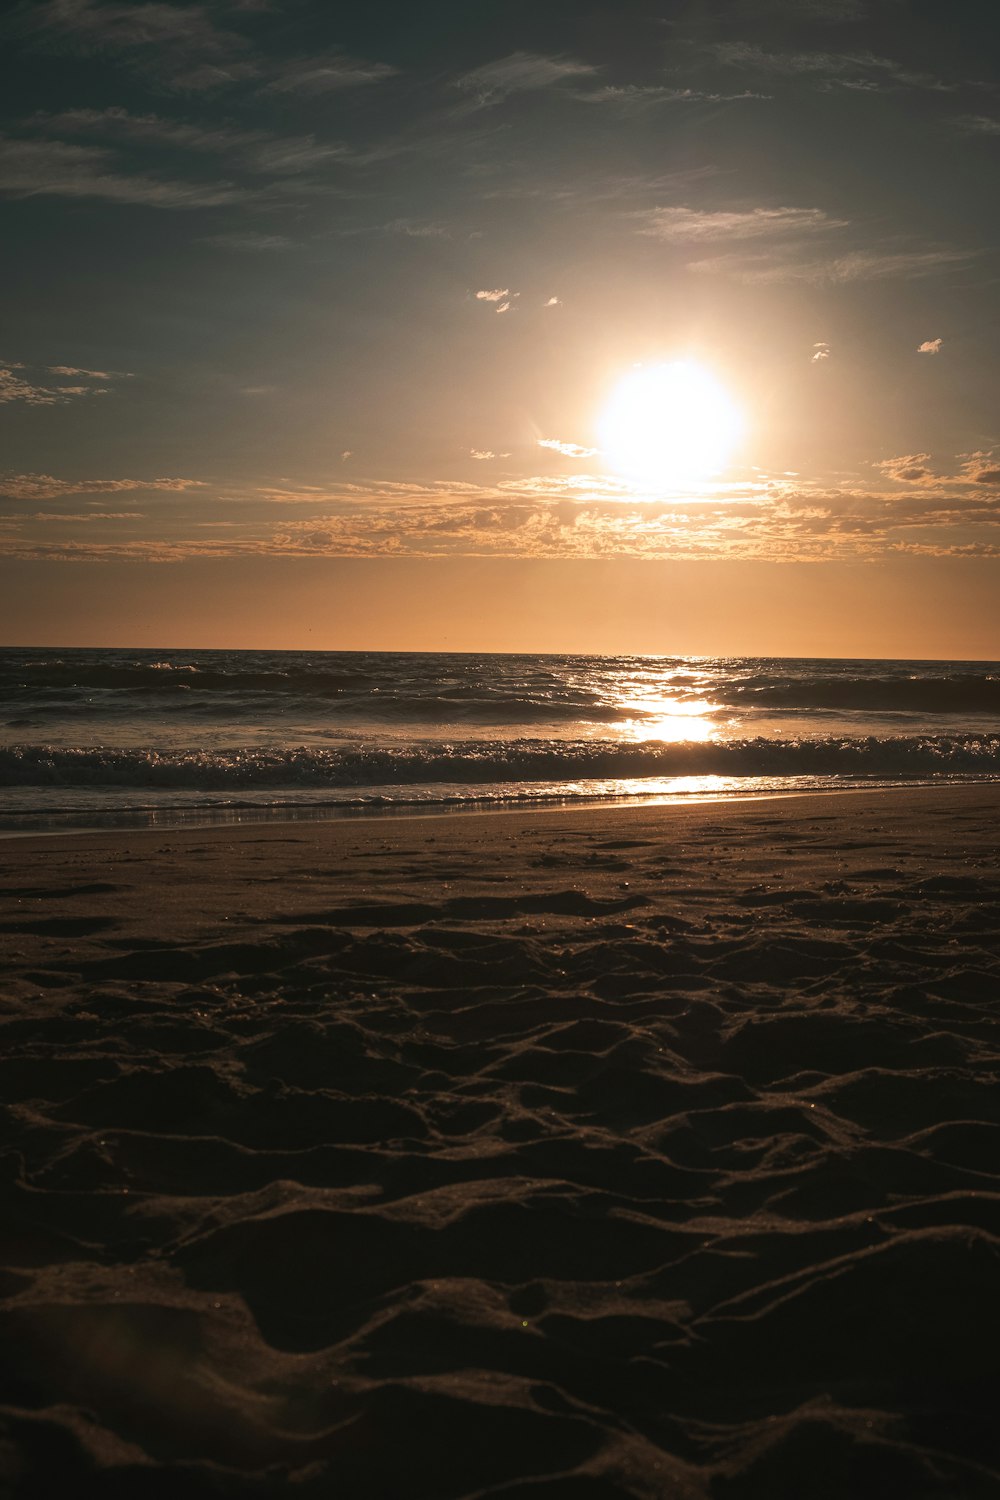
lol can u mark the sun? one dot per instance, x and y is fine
(669, 424)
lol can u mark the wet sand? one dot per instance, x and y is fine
(643, 1152)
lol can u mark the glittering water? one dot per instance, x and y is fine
(91, 737)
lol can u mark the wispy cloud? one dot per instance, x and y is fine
(91, 374)
(849, 70)
(821, 351)
(183, 48)
(520, 73)
(256, 151)
(47, 487)
(856, 265)
(69, 518)
(693, 225)
(30, 169)
(411, 229)
(31, 390)
(501, 297)
(179, 45)
(251, 241)
(979, 125)
(930, 346)
(637, 97)
(118, 123)
(568, 450)
(327, 74)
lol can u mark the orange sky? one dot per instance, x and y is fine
(918, 607)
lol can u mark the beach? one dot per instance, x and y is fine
(613, 1151)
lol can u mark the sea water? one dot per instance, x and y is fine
(96, 738)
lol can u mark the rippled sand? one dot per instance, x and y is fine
(644, 1152)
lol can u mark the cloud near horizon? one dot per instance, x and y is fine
(542, 517)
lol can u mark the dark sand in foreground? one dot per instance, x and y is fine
(644, 1152)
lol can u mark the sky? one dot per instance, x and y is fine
(333, 325)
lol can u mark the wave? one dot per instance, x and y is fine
(384, 686)
(968, 693)
(505, 691)
(477, 762)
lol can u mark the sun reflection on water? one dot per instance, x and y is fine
(670, 720)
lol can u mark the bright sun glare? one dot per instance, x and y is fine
(669, 424)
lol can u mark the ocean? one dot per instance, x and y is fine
(102, 738)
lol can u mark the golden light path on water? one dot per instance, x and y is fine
(668, 720)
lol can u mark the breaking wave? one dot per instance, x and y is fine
(478, 762)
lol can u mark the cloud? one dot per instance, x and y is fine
(693, 225)
(911, 468)
(251, 241)
(282, 156)
(315, 75)
(89, 515)
(30, 169)
(982, 468)
(501, 297)
(32, 392)
(857, 265)
(91, 374)
(47, 487)
(979, 125)
(822, 351)
(930, 346)
(256, 151)
(569, 450)
(413, 229)
(180, 45)
(14, 388)
(553, 302)
(849, 70)
(520, 73)
(120, 124)
(556, 515)
(635, 96)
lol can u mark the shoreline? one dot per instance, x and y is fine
(346, 813)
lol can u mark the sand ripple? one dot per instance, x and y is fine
(636, 1153)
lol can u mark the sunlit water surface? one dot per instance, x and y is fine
(102, 738)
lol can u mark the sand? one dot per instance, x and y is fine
(637, 1151)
